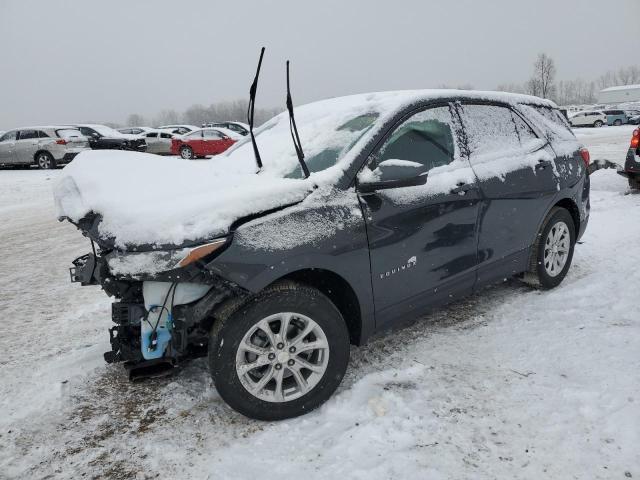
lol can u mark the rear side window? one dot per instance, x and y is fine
(42, 134)
(152, 135)
(28, 134)
(212, 134)
(550, 121)
(165, 135)
(195, 135)
(490, 129)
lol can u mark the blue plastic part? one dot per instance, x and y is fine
(163, 331)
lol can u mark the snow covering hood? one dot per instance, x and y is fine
(145, 199)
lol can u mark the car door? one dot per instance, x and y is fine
(26, 146)
(195, 141)
(518, 181)
(164, 143)
(213, 142)
(152, 142)
(422, 238)
(7, 147)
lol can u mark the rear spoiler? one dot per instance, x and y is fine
(603, 163)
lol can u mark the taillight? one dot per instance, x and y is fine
(586, 158)
(61, 141)
(635, 138)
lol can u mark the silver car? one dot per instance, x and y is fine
(45, 147)
(159, 141)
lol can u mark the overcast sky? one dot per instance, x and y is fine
(71, 61)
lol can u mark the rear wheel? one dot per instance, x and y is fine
(45, 160)
(597, 123)
(186, 152)
(280, 355)
(552, 251)
(634, 183)
(617, 123)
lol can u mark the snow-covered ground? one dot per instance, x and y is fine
(511, 383)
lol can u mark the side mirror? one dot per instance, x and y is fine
(392, 173)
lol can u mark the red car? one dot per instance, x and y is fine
(200, 143)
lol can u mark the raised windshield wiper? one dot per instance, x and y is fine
(250, 111)
(294, 129)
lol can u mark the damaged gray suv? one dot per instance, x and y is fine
(274, 257)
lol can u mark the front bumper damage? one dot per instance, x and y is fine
(160, 319)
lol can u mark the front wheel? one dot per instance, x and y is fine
(45, 160)
(280, 355)
(634, 183)
(552, 251)
(597, 123)
(186, 152)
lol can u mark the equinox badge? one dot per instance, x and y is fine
(410, 264)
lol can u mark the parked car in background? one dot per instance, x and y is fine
(180, 129)
(200, 143)
(593, 118)
(135, 130)
(414, 200)
(45, 147)
(631, 113)
(632, 164)
(159, 141)
(102, 137)
(238, 127)
(634, 120)
(615, 117)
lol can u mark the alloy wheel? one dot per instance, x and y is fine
(282, 357)
(556, 249)
(44, 161)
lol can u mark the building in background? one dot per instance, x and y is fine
(621, 94)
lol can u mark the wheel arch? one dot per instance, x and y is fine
(38, 152)
(338, 290)
(571, 206)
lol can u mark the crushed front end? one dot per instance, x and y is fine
(165, 303)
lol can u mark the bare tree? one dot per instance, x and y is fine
(166, 117)
(135, 120)
(541, 82)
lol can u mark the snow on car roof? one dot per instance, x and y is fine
(207, 197)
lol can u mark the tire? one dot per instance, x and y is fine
(544, 272)
(617, 122)
(186, 152)
(45, 161)
(302, 390)
(634, 183)
(597, 123)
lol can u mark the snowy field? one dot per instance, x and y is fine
(512, 383)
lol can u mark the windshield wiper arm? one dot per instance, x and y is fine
(250, 111)
(294, 129)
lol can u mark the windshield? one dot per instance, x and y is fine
(328, 130)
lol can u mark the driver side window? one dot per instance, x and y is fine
(426, 139)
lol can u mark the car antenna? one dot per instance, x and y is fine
(294, 129)
(250, 111)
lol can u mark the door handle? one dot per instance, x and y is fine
(462, 188)
(542, 164)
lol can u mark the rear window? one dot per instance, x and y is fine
(68, 132)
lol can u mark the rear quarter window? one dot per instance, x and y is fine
(550, 121)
